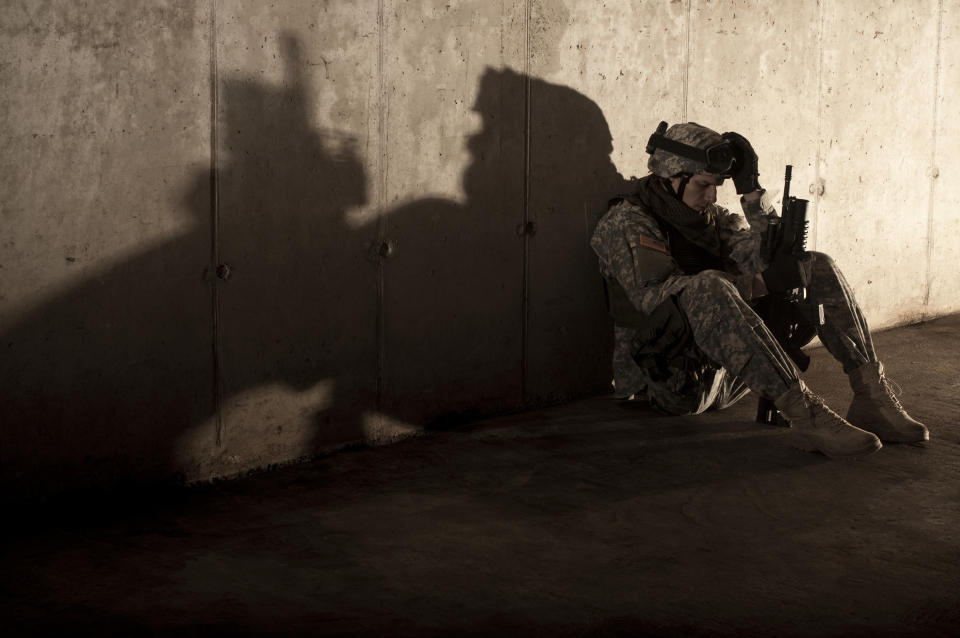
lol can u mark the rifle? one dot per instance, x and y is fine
(787, 314)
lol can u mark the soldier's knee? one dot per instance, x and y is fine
(713, 282)
(822, 264)
(821, 259)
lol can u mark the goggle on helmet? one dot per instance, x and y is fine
(717, 158)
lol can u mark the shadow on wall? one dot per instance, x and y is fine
(455, 280)
(300, 308)
(102, 383)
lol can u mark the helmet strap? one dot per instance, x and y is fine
(683, 186)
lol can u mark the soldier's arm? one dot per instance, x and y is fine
(633, 251)
(745, 235)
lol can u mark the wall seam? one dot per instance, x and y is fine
(381, 202)
(818, 152)
(213, 272)
(928, 278)
(686, 59)
(525, 228)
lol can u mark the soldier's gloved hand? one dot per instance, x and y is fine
(745, 171)
(785, 273)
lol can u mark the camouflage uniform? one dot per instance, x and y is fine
(731, 350)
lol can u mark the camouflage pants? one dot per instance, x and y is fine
(739, 353)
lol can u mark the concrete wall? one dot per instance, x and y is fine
(402, 193)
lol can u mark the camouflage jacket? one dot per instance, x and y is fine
(627, 229)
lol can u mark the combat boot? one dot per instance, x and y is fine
(875, 407)
(814, 426)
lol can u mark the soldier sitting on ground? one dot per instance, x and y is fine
(681, 273)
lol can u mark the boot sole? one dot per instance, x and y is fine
(855, 419)
(914, 443)
(807, 444)
(900, 440)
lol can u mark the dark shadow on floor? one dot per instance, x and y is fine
(581, 519)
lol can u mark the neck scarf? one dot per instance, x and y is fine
(698, 228)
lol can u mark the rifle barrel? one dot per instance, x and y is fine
(786, 189)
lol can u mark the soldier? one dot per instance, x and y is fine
(681, 272)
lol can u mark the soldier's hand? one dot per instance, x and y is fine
(745, 171)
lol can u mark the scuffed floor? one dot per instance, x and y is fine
(591, 518)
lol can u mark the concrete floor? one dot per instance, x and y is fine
(589, 518)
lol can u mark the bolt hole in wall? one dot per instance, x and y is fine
(403, 195)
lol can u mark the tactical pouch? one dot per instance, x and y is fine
(663, 338)
(619, 306)
(664, 341)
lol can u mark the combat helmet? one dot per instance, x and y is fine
(688, 149)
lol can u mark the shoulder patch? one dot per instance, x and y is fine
(653, 244)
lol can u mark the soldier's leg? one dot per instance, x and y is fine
(730, 333)
(844, 331)
(845, 334)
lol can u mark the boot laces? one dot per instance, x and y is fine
(892, 389)
(826, 418)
